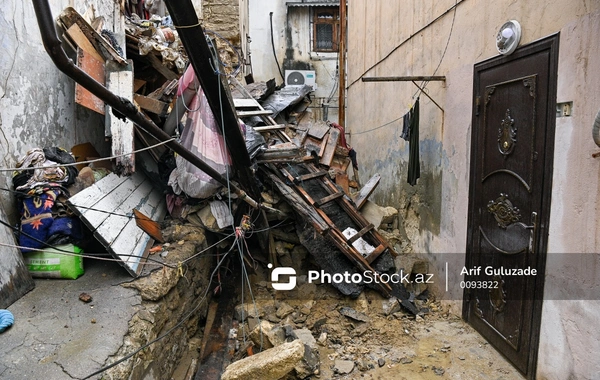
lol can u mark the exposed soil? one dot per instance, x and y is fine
(395, 346)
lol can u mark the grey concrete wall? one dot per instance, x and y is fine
(37, 106)
(435, 211)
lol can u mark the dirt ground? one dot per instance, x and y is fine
(438, 345)
(377, 341)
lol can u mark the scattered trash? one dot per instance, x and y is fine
(86, 298)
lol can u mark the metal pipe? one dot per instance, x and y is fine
(404, 79)
(54, 48)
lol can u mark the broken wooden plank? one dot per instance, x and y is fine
(76, 35)
(15, 280)
(119, 80)
(341, 179)
(162, 69)
(332, 141)
(365, 192)
(318, 130)
(137, 84)
(253, 113)
(151, 105)
(94, 68)
(306, 177)
(245, 103)
(167, 90)
(269, 128)
(69, 16)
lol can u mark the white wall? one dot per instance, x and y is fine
(296, 38)
(435, 211)
(37, 107)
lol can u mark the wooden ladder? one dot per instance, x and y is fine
(313, 210)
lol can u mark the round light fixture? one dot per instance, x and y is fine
(508, 37)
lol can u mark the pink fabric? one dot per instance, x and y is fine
(201, 137)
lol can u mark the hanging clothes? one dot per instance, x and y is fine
(405, 126)
(414, 168)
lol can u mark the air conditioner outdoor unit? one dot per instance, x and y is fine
(300, 77)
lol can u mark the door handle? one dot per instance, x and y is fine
(533, 232)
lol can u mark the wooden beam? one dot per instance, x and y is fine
(119, 80)
(151, 105)
(366, 190)
(334, 135)
(162, 69)
(308, 176)
(376, 253)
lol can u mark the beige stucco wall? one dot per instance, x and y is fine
(435, 211)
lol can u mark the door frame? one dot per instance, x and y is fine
(551, 44)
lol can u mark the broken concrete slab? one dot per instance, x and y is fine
(271, 364)
(343, 367)
(267, 335)
(373, 213)
(353, 314)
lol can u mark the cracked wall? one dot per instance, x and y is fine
(37, 107)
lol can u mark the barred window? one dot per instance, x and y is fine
(325, 35)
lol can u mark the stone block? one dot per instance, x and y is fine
(271, 364)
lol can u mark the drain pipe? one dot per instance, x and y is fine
(54, 48)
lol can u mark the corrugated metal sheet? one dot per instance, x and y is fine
(313, 3)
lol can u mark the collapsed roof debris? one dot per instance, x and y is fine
(306, 161)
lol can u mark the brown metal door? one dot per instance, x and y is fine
(511, 168)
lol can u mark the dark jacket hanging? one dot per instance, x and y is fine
(414, 168)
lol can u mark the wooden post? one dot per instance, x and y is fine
(342, 55)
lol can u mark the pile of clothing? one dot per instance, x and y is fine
(41, 196)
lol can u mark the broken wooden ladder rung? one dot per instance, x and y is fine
(360, 233)
(306, 177)
(329, 198)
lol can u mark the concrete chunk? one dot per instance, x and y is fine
(271, 364)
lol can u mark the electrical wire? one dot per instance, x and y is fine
(89, 161)
(273, 46)
(177, 325)
(405, 41)
(424, 83)
(239, 56)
